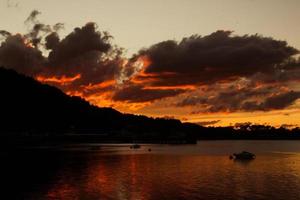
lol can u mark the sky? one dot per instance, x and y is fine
(206, 79)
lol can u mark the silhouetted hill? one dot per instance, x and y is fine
(29, 105)
(31, 108)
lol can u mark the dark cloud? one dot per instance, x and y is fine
(52, 40)
(58, 26)
(240, 98)
(5, 33)
(21, 52)
(138, 94)
(79, 42)
(230, 95)
(215, 57)
(218, 57)
(85, 53)
(275, 102)
(32, 18)
(38, 30)
(16, 53)
(35, 33)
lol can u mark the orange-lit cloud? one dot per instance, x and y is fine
(63, 80)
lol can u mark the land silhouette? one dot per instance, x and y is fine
(35, 113)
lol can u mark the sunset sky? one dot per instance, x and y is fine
(212, 62)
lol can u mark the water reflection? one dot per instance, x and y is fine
(163, 174)
(175, 177)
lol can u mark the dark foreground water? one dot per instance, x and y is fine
(201, 171)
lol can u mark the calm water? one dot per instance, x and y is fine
(201, 171)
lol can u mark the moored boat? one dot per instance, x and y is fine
(244, 155)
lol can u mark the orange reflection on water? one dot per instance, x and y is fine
(182, 173)
(63, 191)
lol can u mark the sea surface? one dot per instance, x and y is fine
(202, 171)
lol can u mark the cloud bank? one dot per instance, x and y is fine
(219, 72)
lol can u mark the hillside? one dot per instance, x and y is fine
(31, 108)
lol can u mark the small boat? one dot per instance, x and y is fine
(244, 155)
(135, 146)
